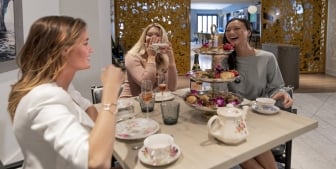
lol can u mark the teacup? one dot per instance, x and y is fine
(265, 101)
(158, 146)
(158, 46)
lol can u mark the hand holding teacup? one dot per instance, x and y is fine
(160, 46)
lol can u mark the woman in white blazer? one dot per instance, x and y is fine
(55, 126)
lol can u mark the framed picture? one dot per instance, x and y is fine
(11, 33)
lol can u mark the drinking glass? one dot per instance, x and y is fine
(147, 94)
(162, 83)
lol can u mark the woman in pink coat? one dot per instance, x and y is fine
(144, 62)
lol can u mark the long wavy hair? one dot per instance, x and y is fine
(40, 60)
(140, 48)
(232, 59)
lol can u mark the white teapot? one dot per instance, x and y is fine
(229, 126)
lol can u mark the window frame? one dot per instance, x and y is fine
(206, 24)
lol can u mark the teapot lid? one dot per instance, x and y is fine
(229, 111)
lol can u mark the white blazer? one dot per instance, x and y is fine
(52, 128)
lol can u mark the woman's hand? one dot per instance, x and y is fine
(151, 51)
(112, 78)
(287, 101)
(167, 49)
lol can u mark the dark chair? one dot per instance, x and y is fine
(283, 152)
(13, 165)
(96, 92)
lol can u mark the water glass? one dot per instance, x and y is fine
(170, 112)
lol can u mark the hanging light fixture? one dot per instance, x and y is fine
(252, 9)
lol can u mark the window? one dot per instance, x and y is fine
(204, 22)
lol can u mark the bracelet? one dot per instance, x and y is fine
(107, 107)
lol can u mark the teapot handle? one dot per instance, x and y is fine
(211, 121)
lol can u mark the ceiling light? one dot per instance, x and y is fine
(252, 9)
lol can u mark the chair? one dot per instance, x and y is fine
(283, 152)
(13, 165)
(96, 92)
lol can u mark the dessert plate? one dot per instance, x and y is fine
(265, 109)
(166, 96)
(174, 154)
(137, 128)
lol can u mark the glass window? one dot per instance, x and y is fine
(204, 22)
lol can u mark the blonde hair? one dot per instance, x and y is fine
(40, 59)
(140, 48)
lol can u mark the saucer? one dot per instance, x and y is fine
(174, 154)
(137, 128)
(265, 109)
(166, 96)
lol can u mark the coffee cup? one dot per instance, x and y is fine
(158, 146)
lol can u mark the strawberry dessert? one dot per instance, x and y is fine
(228, 47)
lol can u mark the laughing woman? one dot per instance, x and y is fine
(55, 126)
(260, 76)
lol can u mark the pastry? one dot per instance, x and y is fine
(191, 99)
(226, 75)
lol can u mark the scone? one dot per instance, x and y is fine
(191, 99)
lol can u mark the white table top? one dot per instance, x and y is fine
(199, 150)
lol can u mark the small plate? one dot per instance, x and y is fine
(166, 96)
(265, 109)
(123, 103)
(175, 153)
(138, 128)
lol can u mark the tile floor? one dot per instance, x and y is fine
(316, 149)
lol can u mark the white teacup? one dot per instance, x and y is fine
(158, 46)
(265, 101)
(158, 146)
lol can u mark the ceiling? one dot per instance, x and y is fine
(218, 4)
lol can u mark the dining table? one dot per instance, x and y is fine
(199, 150)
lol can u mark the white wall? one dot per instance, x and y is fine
(96, 14)
(331, 40)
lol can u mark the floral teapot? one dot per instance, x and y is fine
(229, 125)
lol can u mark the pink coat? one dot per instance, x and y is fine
(138, 70)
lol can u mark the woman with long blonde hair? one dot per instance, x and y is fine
(55, 126)
(144, 62)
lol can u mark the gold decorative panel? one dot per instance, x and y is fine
(131, 16)
(298, 22)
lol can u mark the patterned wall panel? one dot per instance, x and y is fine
(131, 16)
(298, 22)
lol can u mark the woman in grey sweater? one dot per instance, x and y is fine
(260, 76)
